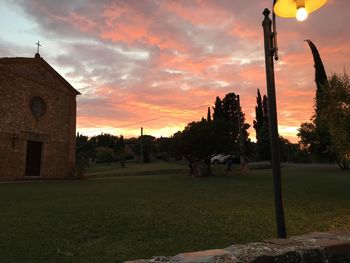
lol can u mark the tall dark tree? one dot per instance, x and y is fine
(321, 146)
(261, 126)
(231, 113)
(265, 109)
(218, 112)
(265, 147)
(320, 77)
(208, 115)
(259, 116)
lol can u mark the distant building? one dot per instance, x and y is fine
(37, 120)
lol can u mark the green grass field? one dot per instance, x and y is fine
(157, 209)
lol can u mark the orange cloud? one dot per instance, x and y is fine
(199, 13)
(164, 62)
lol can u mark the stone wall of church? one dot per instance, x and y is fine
(55, 129)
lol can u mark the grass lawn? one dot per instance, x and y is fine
(157, 209)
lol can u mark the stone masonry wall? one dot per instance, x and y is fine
(331, 247)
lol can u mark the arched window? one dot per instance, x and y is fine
(37, 106)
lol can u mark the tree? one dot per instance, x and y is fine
(259, 116)
(261, 126)
(336, 114)
(320, 147)
(84, 149)
(320, 78)
(327, 135)
(163, 147)
(218, 112)
(308, 136)
(227, 110)
(208, 115)
(231, 113)
(263, 146)
(201, 139)
(175, 147)
(265, 109)
(105, 140)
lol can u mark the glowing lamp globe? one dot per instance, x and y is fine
(302, 14)
(298, 9)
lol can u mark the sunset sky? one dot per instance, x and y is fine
(160, 63)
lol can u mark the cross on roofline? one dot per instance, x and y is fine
(38, 44)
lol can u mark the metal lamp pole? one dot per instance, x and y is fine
(270, 53)
(298, 9)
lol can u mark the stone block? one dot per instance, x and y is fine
(201, 256)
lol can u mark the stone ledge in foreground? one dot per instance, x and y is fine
(327, 247)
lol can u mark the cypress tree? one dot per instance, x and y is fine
(321, 126)
(265, 109)
(232, 112)
(265, 131)
(208, 115)
(218, 112)
(320, 73)
(227, 111)
(261, 126)
(259, 116)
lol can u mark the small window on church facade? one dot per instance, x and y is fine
(37, 106)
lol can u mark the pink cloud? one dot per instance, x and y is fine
(140, 60)
(80, 22)
(199, 13)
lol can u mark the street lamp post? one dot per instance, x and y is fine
(273, 128)
(284, 8)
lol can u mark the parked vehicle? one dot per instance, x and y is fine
(220, 158)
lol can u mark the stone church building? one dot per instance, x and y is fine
(37, 121)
